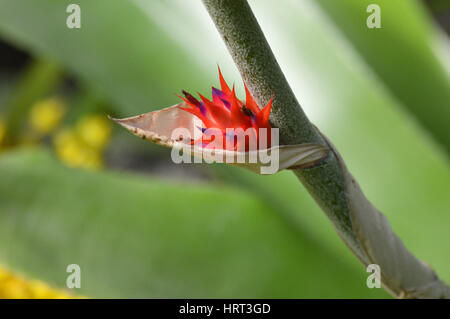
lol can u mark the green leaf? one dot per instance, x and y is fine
(406, 54)
(135, 237)
(119, 49)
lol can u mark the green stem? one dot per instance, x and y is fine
(262, 74)
(330, 183)
(38, 80)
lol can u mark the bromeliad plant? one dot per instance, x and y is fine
(313, 158)
(224, 129)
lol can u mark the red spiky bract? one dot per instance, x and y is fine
(227, 111)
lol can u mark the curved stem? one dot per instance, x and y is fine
(262, 74)
(328, 183)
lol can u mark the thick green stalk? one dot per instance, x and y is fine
(362, 227)
(262, 74)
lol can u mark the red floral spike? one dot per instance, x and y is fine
(262, 117)
(214, 140)
(238, 118)
(217, 112)
(250, 102)
(223, 83)
(224, 112)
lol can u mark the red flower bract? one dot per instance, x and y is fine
(224, 112)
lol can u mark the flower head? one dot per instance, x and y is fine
(226, 111)
(218, 138)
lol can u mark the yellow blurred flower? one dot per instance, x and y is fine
(46, 115)
(13, 286)
(95, 130)
(83, 145)
(74, 152)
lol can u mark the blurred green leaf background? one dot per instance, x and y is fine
(75, 189)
